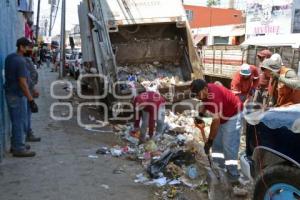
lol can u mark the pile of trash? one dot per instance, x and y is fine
(142, 75)
(173, 161)
(170, 159)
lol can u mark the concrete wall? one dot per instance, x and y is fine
(11, 28)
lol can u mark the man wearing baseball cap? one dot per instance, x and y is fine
(226, 111)
(280, 94)
(262, 89)
(245, 82)
(17, 94)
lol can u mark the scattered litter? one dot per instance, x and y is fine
(116, 152)
(186, 182)
(150, 146)
(147, 156)
(131, 139)
(172, 193)
(192, 172)
(96, 130)
(103, 151)
(105, 186)
(158, 182)
(175, 182)
(92, 118)
(102, 123)
(64, 114)
(119, 171)
(93, 156)
(67, 88)
(140, 178)
(240, 192)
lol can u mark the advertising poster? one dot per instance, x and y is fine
(268, 17)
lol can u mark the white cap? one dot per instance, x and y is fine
(245, 70)
(277, 59)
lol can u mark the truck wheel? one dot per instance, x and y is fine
(278, 182)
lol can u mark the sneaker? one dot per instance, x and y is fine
(24, 153)
(32, 138)
(27, 147)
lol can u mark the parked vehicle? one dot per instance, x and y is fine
(272, 157)
(221, 62)
(116, 33)
(75, 64)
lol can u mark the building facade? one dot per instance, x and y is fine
(216, 25)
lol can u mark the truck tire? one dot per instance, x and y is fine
(280, 180)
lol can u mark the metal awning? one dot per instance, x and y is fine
(292, 40)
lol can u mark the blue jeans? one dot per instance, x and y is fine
(160, 122)
(226, 145)
(17, 111)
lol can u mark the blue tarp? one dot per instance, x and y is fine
(274, 118)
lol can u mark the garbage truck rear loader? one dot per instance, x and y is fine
(133, 44)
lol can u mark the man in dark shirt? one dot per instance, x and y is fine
(32, 81)
(17, 94)
(224, 137)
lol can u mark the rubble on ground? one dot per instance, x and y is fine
(173, 161)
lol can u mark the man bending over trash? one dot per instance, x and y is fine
(224, 136)
(150, 107)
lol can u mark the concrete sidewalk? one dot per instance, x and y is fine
(62, 169)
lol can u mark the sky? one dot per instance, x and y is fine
(71, 14)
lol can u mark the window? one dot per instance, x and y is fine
(189, 15)
(221, 40)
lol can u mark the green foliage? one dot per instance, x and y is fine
(211, 3)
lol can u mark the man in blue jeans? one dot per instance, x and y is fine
(224, 137)
(32, 81)
(17, 94)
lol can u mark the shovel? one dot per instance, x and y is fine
(200, 124)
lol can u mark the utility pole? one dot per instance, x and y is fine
(51, 12)
(37, 22)
(62, 39)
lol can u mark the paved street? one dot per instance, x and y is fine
(62, 169)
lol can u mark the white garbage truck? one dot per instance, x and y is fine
(128, 45)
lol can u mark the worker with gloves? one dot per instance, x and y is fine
(293, 83)
(280, 94)
(224, 137)
(245, 82)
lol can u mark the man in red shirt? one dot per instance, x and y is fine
(245, 82)
(150, 106)
(262, 90)
(224, 136)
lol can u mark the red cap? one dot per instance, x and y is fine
(264, 53)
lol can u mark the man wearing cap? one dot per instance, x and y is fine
(262, 89)
(17, 94)
(224, 137)
(280, 94)
(245, 82)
